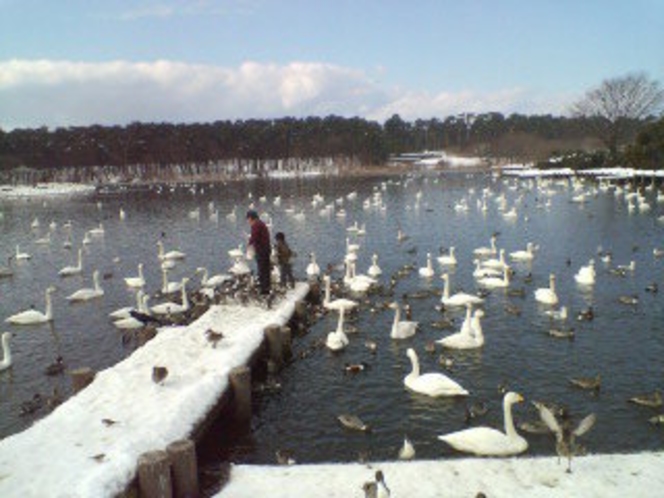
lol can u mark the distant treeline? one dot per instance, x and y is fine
(355, 140)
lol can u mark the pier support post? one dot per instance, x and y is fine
(286, 342)
(81, 378)
(185, 471)
(240, 380)
(314, 292)
(154, 475)
(300, 312)
(274, 344)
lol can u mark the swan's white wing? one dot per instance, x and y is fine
(585, 425)
(548, 418)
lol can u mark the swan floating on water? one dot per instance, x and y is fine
(470, 336)
(430, 384)
(526, 255)
(547, 295)
(401, 329)
(427, 271)
(496, 282)
(338, 340)
(87, 294)
(448, 259)
(484, 252)
(337, 303)
(31, 317)
(21, 256)
(171, 308)
(374, 270)
(68, 271)
(136, 282)
(458, 299)
(486, 441)
(170, 255)
(313, 270)
(586, 274)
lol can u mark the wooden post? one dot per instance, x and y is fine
(185, 470)
(81, 378)
(300, 312)
(286, 342)
(240, 379)
(154, 475)
(314, 292)
(274, 345)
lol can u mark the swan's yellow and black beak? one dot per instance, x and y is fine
(519, 398)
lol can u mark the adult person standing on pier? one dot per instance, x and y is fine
(259, 244)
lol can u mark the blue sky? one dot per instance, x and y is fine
(75, 62)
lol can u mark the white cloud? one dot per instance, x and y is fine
(62, 93)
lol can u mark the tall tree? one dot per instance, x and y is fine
(617, 105)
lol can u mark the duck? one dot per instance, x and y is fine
(374, 270)
(32, 316)
(170, 255)
(495, 282)
(631, 300)
(171, 308)
(401, 329)
(69, 271)
(566, 445)
(427, 271)
(353, 422)
(560, 314)
(433, 384)
(313, 270)
(486, 441)
(586, 315)
(56, 368)
(588, 383)
(87, 294)
(136, 282)
(470, 336)
(6, 361)
(458, 299)
(337, 303)
(526, 255)
(337, 340)
(547, 295)
(6, 271)
(653, 400)
(21, 256)
(448, 259)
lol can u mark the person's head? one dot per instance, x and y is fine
(252, 216)
(280, 237)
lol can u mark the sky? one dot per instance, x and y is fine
(77, 62)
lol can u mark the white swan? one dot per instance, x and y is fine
(170, 308)
(374, 270)
(170, 255)
(496, 263)
(481, 272)
(125, 311)
(458, 299)
(337, 303)
(98, 232)
(87, 294)
(427, 271)
(486, 441)
(432, 384)
(313, 270)
(131, 323)
(470, 336)
(484, 252)
(68, 271)
(496, 282)
(7, 354)
(30, 317)
(240, 267)
(547, 295)
(236, 252)
(166, 286)
(337, 340)
(21, 256)
(560, 314)
(357, 283)
(586, 274)
(401, 329)
(526, 255)
(136, 282)
(448, 259)
(213, 281)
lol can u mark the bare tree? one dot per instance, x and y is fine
(617, 105)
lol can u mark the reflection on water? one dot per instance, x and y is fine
(623, 343)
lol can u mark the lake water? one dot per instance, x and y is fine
(625, 344)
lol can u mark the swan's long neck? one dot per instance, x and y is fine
(493, 244)
(7, 354)
(140, 272)
(95, 279)
(185, 300)
(340, 323)
(397, 316)
(139, 300)
(80, 259)
(429, 265)
(467, 323)
(160, 247)
(164, 281)
(49, 307)
(477, 327)
(552, 284)
(509, 423)
(415, 363)
(446, 288)
(206, 275)
(326, 300)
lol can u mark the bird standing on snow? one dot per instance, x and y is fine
(159, 374)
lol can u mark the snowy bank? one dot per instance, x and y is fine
(89, 446)
(602, 173)
(594, 475)
(45, 190)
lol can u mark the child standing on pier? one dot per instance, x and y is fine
(284, 255)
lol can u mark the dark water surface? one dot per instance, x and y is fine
(625, 344)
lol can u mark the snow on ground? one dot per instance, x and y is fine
(607, 173)
(54, 457)
(594, 475)
(45, 190)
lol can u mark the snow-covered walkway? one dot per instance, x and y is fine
(602, 476)
(89, 446)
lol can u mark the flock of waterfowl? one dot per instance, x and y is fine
(498, 274)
